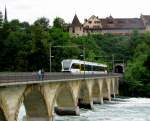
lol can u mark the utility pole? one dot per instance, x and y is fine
(113, 64)
(84, 59)
(50, 58)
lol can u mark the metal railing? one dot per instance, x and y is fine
(12, 77)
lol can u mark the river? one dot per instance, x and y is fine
(119, 109)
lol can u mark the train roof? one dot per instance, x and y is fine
(84, 62)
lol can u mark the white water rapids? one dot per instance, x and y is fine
(120, 109)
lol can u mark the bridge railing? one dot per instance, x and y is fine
(9, 77)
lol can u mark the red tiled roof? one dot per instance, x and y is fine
(125, 23)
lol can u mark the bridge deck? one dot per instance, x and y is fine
(32, 77)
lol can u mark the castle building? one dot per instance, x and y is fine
(121, 26)
(76, 28)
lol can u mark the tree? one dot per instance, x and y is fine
(138, 71)
(15, 25)
(25, 25)
(43, 22)
(59, 23)
(133, 41)
(39, 56)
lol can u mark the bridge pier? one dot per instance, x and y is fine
(106, 89)
(67, 111)
(113, 93)
(117, 85)
(86, 105)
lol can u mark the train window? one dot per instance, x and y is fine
(90, 68)
(75, 66)
(101, 68)
(82, 67)
(87, 68)
(94, 68)
(66, 68)
(98, 68)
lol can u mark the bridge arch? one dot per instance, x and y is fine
(34, 103)
(96, 92)
(84, 100)
(65, 100)
(64, 96)
(2, 116)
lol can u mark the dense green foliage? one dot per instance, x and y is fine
(26, 47)
(138, 69)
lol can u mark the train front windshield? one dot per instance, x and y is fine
(66, 65)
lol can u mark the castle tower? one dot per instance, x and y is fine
(76, 27)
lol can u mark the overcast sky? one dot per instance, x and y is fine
(30, 10)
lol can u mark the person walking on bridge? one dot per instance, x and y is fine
(39, 73)
(42, 74)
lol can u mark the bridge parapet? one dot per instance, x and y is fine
(32, 77)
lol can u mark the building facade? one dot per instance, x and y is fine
(121, 26)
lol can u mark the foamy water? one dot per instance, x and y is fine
(129, 109)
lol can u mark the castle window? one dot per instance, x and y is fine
(96, 22)
(89, 22)
(96, 27)
(73, 30)
(87, 27)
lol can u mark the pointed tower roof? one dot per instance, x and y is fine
(75, 21)
(5, 17)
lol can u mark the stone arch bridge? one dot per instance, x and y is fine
(41, 96)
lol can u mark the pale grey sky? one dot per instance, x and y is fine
(30, 10)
